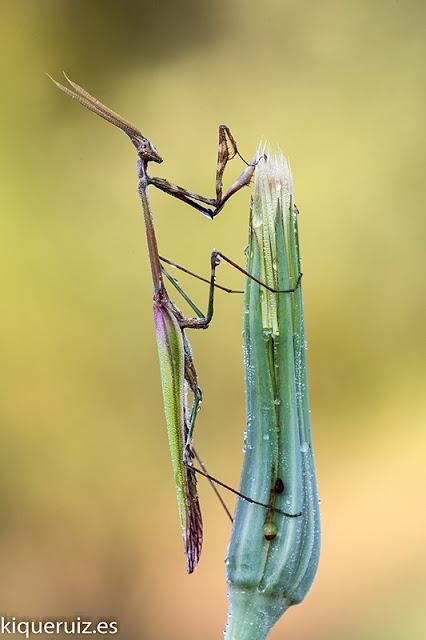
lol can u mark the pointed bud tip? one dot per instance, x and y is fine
(272, 170)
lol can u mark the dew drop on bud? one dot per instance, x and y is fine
(270, 530)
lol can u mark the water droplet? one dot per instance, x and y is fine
(304, 447)
(270, 530)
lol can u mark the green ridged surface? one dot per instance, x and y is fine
(266, 577)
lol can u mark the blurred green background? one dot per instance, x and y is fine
(88, 521)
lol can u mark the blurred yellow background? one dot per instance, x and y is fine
(87, 507)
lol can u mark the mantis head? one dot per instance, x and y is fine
(146, 150)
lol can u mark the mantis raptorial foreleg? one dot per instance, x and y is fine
(210, 207)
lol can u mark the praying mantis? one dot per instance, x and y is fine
(178, 372)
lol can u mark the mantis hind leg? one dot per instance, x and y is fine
(190, 374)
(196, 406)
(189, 452)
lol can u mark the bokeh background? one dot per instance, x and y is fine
(88, 521)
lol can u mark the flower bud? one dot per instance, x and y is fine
(272, 558)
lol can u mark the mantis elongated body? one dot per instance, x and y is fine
(176, 365)
(177, 368)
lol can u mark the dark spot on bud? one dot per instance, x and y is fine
(270, 530)
(279, 486)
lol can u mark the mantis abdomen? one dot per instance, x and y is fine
(171, 354)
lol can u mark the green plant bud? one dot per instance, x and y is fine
(272, 558)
